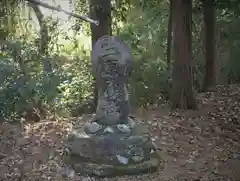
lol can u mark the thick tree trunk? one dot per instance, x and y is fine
(210, 48)
(100, 10)
(169, 38)
(182, 95)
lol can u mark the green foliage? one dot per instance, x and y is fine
(23, 84)
(229, 49)
(142, 24)
(77, 87)
(232, 6)
(148, 39)
(66, 88)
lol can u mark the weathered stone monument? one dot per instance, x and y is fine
(112, 143)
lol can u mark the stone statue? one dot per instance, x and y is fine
(112, 143)
(112, 61)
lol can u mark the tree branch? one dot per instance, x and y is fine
(45, 5)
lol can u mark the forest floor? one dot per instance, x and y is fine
(201, 145)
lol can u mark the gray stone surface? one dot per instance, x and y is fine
(112, 62)
(112, 143)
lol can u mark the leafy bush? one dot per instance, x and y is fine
(22, 84)
(77, 87)
(66, 88)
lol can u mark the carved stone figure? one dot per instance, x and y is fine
(112, 143)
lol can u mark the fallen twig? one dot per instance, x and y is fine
(85, 18)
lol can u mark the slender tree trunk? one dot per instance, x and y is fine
(3, 14)
(182, 95)
(169, 38)
(100, 10)
(44, 42)
(210, 48)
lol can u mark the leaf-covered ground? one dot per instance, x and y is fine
(199, 145)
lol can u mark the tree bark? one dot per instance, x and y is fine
(169, 38)
(3, 14)
(182, 95)
(210, 48)
(101, 11)
(45, 38)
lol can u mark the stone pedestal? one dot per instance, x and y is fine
(112, 151)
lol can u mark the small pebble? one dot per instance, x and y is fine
(87, 179)
(108, 130)
(152, 151)
(135, 140)
(131, 122)
(93, 127)
(137, 158)
(123, 128)
(122, 159)
(68, 172)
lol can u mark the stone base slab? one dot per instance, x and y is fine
(102, 170)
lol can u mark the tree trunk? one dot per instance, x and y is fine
(182, 95)
(44, 42)
(3, 14)
(209, 44)
(169, 38)
(100, 10)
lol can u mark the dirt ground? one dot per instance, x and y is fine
(201, 145)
